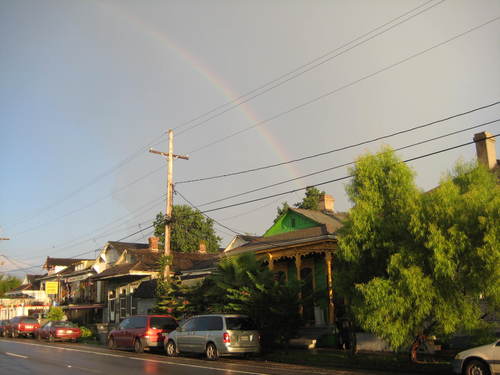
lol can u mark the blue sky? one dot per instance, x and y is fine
(86, 84)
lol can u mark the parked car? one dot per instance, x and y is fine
(141, 332)
(59, 330)
(481, 360)
(3, 324)
(214, 335)
(21, 326)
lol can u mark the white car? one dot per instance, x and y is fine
(482, 360)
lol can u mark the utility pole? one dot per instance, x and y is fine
(170, 197)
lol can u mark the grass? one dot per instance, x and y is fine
(367, 361)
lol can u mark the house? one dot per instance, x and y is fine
(26, 299)
(301, 245)
(129, 283)
(486, 153)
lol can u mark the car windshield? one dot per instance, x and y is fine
(63, 324)
(240, 324)
(29, 321)
(159, 322)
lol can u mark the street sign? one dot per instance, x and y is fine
(51, 287)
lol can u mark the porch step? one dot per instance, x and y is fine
(303, 343)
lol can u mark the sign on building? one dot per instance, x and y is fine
(51, 287)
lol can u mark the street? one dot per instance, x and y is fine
(24, 356)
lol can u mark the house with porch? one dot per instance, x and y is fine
(301, 245)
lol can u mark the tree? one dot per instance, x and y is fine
(242, 284)
(189, 228)
(8, 283)
(311, 199)
(309, 202)
(414, 264)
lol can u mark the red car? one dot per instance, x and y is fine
(60, 331)
(21, 326)
(141, 331)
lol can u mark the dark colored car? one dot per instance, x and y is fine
(3, 324)
(21, 326)
(60, 331)
(141, 332)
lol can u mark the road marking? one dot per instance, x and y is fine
(16, 355)
(142, 359)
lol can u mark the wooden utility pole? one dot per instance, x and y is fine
(170, 197)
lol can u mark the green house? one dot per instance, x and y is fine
(301, 244)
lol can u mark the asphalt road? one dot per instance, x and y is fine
(25, 356)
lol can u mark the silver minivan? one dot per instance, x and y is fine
(215, 335)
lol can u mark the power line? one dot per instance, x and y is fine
(86, 252)
(344, 164)
(338, 89)
(91, 182)
(333, 180)
(302, 69)
(340, 148)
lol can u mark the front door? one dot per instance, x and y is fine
(185, 336)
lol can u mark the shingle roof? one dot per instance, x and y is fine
(122, 246)
(334, 219)
(50, 262)
(319, 233)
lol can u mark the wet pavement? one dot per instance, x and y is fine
(25, 356)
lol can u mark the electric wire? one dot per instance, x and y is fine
(343, 87)
(334, 180)
(345, 164)
(309, 66)
(390, 135)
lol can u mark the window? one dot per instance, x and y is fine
(157, 322)
(189, 325)
(240, 324)
(138, 322)
(213, 323)
(29, 320)
(123, 303)
(125, 324)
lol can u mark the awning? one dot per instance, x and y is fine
(83, 307)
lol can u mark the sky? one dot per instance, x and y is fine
(86, 87)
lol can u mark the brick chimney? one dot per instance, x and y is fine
(485, 149)
(203, 248)
(153, 243)
(326, 203)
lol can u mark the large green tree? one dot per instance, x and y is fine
(412, 263)
(189, 228)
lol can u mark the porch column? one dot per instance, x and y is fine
(298, 264)
(331, 306)
(271, 261)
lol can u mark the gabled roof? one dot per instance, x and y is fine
(323, 232)
(52, 262)
(122, 246)
(323, 217)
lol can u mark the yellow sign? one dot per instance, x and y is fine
(51, 287)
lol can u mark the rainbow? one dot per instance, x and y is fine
(216, 81)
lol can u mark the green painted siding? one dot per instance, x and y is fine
(288, 223)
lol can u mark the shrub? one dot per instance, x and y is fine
(55, 313)
(86, 332)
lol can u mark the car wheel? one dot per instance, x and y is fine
(476, 367)
(111, 343)
(138, 347)
(170, 348)
(211, 352)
